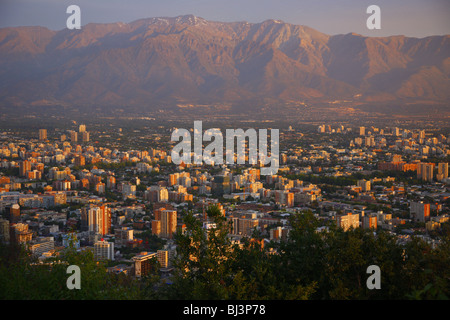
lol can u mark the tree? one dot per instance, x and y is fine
(21, 278)
(258, 276)
(203, 258)
(300, 258)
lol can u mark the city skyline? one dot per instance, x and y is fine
(229, 151)
(357, 184)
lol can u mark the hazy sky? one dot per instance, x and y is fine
(417, 18)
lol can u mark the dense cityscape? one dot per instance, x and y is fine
(128, 209)
(224, 158)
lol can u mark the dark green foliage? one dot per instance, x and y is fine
(204, 258)
(22, 278)
(330, 264)
(151, 242)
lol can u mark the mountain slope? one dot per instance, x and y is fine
(186, 59)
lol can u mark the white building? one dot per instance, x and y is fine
(104, 250)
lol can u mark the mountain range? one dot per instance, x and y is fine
(187, 61)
